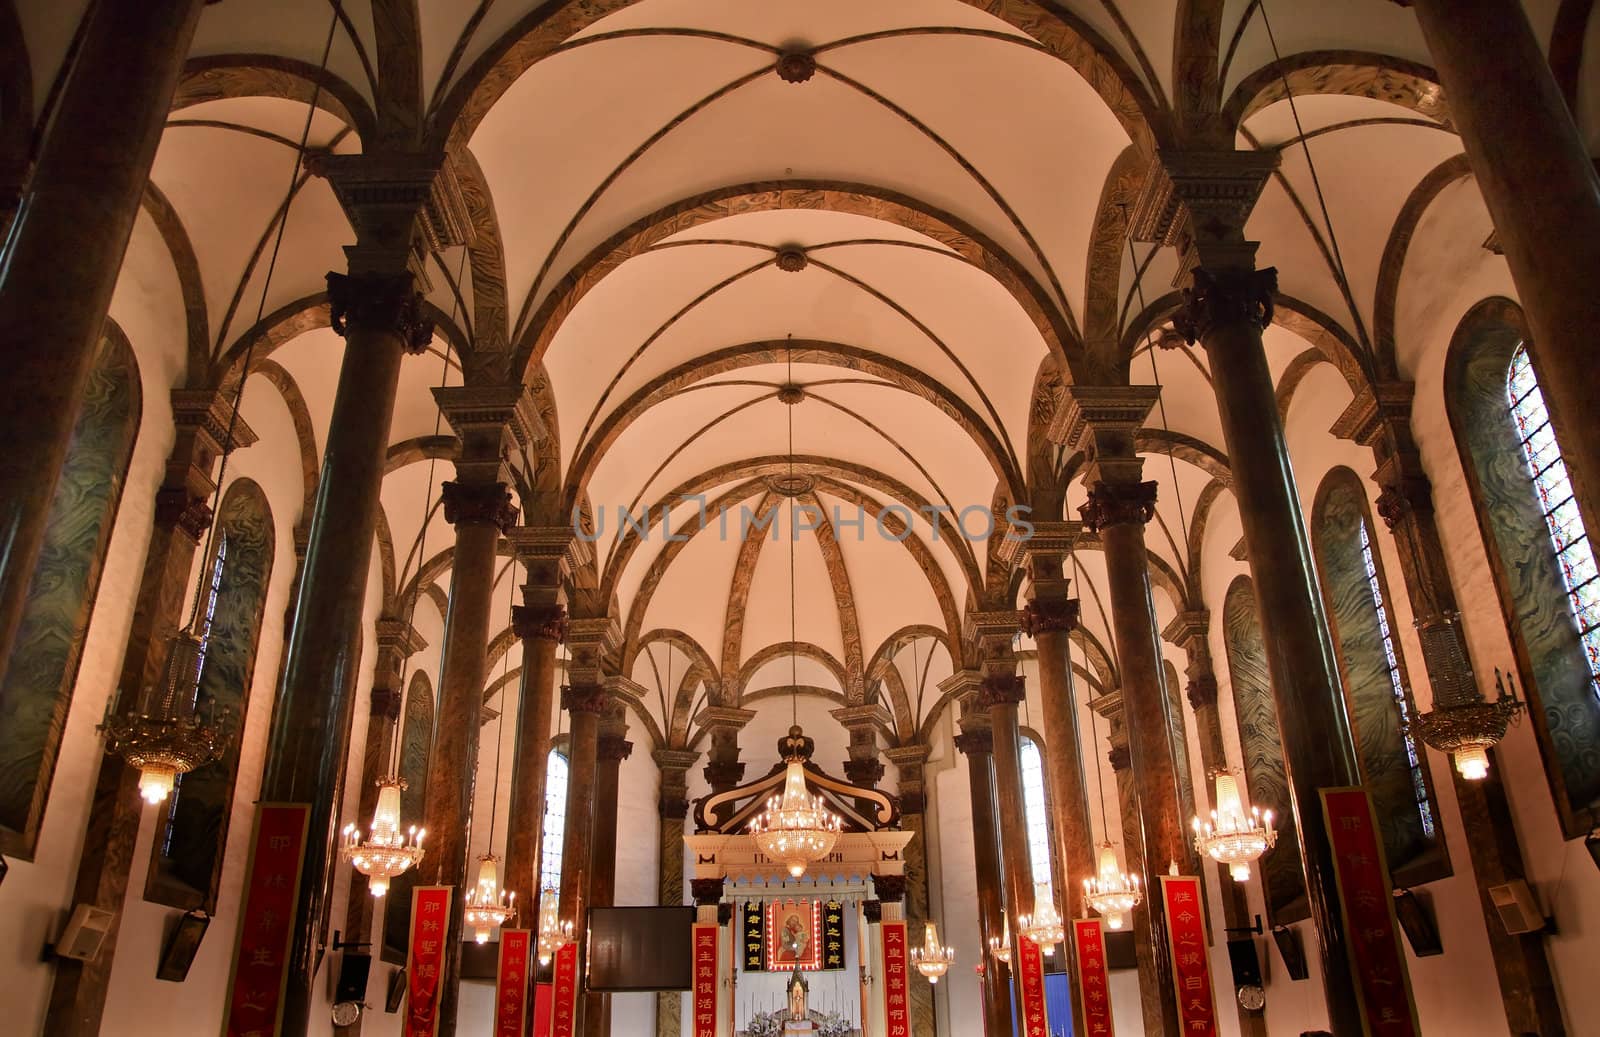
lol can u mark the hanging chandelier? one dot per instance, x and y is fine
(1113, 892)
(1044, 926)
(487, 907)
(1233, 837)
(554, 934)
(932, 959)
(387, 852)
(1469, 727)
(168, 737)
(796, 828)
(1000, 946)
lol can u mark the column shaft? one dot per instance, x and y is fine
(65, 252)
(1227, 311)
(1542, 190)
(1002, 693)
(673, 804)
(611, 750)
(977, 744)
(311, 722)
(478, 511)
(584, 704)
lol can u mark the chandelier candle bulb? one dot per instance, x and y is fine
(1473, 763)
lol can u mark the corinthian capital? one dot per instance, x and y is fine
(380, 302)
(1118, 504)
(1225, 298)
(481, 504)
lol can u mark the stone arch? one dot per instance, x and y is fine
(218, 76)
(1355, 73)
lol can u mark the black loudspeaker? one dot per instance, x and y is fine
(1291, 950)
(353, 971)
(1417, 920)
(1245, 961)
(397, 991)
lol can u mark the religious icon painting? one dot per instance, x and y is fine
(792, 935)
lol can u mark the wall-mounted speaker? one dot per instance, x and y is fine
(86, 930)
(1518, 910)
(1291, 950)
(396, 992)
(1416, 918)
(1246, 963)
(353, 971)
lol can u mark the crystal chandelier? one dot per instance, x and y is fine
(1233, 837)
(1044, 926)
(797, 828)
(1468, 727)
(554, 934)
(1113, 892)
(387, 852)
(167, 737)
(932, 959)
(1000, 946)
(487, 907)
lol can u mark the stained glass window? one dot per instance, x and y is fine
(555, 821)
(1037, 815)
(1419, 785)
(1574, 554)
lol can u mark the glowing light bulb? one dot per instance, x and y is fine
(1473, 763)
(156, 781)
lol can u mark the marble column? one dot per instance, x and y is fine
(491, 422)
(378, 310)
(182, 517)
(909, 761)
(1381, 419)
(1001, 693)
(64, 253)
(1189, 630)
(673, 805)
(1103, 421)
(611, 749)
(1049, 618)
(976, 743)
(1227, 304)
(1540, 185)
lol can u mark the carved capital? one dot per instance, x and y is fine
(586, 698)
(724, 774)
(1001, 689)
(185, 512)
(979, 740)
(386, 703)
(672, 807)
(706, 891)
(1120, 758)
(891, 888)
(614, 747)
(1226, 298)
(1050, 616)
(1202, 691)
(386, 303)
(864, 773)
(872, 911)
(540, 622)
(479, 504)
(1404, 498)
(1118, 504)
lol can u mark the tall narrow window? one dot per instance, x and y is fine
(1574, 553)
(555, 821)
(1037, 813)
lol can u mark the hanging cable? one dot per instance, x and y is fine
(261, 309)
(794, 646)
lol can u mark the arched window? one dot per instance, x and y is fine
(554, 827)
(1377, 698)
(416, 742)
(1539, 552)
(186, 859)
(1265, 774)
(36, 685)
(1568, 537)
(1038, 815)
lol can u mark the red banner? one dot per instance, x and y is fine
(266, 921)
(541, 1009)
(1094, 978)
(430, 927)
(1030, 982)
(1367, 903)
(564, 985)
(706, 935)
(511, 983)
(1186, 942)
(896, 979)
